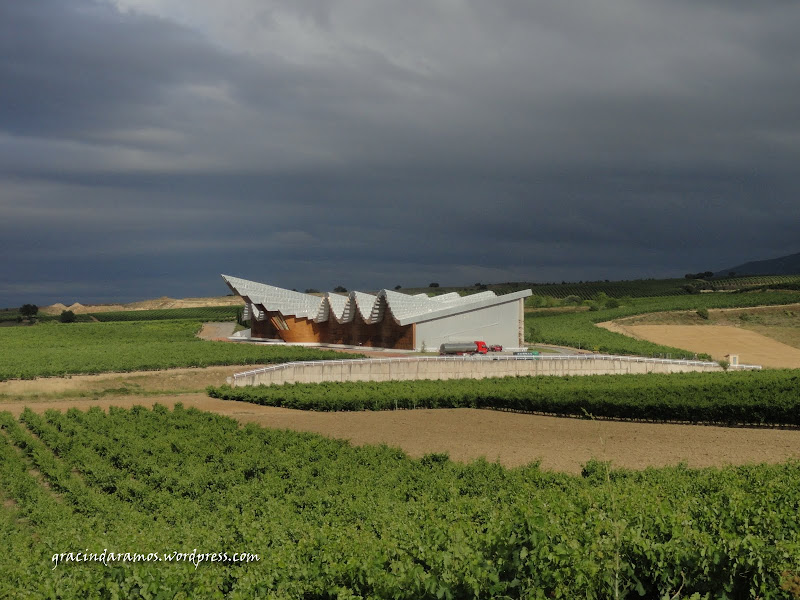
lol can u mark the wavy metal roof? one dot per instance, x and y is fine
(404, 309)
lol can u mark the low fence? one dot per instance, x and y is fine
(465, 367)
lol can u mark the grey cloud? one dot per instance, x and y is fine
(314, 144)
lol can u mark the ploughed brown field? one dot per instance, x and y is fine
(561, 444)
(767, 336)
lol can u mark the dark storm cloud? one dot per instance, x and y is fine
(147, 148)
(73, 68)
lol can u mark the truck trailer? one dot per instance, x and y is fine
(461, 348)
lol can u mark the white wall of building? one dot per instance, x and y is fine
(497, 324)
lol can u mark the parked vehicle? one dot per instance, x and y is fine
(462, 348)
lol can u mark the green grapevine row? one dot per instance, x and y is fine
(329, 520)
(762, 397)
(49, 349)
(206, 313)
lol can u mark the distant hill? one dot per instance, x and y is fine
(785, 265)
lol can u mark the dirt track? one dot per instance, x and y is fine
(512, 439)
(166, 381)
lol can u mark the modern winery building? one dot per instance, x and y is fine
(388, 319)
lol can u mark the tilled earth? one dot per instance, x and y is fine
(561, 444)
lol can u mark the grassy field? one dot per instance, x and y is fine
(328, 520)
(577, 329)
(49, 349)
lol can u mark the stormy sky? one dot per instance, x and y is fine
(146, 146)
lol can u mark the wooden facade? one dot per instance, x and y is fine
(263, 329)
(385, 334)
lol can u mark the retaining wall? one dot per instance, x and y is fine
(448, 367)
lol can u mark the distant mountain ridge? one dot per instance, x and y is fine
(784, 265)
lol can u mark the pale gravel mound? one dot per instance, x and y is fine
(54, 309)
(159, 303)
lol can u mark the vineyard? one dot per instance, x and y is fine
(207, 313)
(648, 288)
(739, 398)
(623, 290)
(769, 281)
(328, 520)
(56, 349)
(577, 329)
(615, 289)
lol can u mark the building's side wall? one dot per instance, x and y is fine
(497, 324)
(299, 330)
(385, 334)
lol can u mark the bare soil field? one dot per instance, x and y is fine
(767, 336)
(217, 331)
(719, 340)
(513, 439)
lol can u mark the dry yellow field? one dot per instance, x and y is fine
(719, 340)
(767, 336)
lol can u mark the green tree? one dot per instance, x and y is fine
(67, 316)
(28, 311)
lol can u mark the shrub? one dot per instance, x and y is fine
(67, 316)
(702, 313)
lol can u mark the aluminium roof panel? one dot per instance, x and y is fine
(404, 309)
